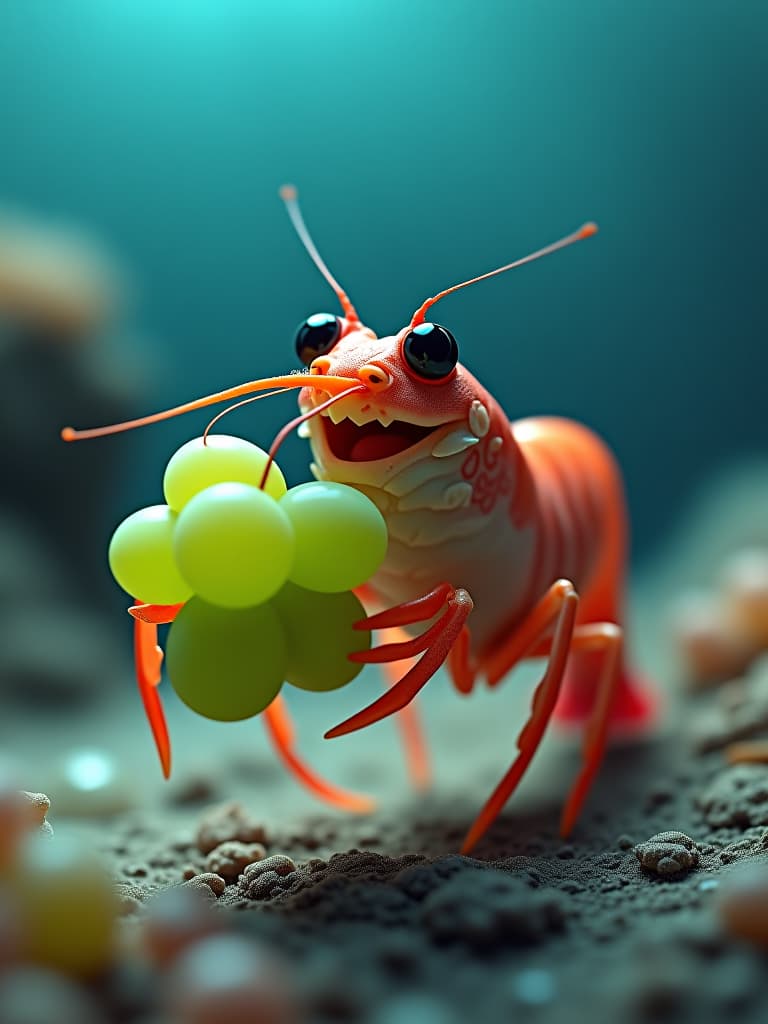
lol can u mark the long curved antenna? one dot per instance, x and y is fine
(238, 405)
(321, 382)
(585, 231)
(286, 430)
(290, 196)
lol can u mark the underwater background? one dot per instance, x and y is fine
(146, 260)
(431, 141)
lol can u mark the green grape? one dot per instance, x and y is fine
(67, 907)
(319, 634)
(226, 664)
(141, 557)
(223, 459)
(341, 537)
(233, 545)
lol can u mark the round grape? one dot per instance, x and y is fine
(141, 557)
(319, 635)
(226, 664)
(341, 537)
(223, 459)
(233, 545)
(67, 906)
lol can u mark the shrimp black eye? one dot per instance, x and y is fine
(316, 336)
(431, 351)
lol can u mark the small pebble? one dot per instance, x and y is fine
(230, 859)
(227, 822)
(279, 863)
(207, 880)
(267, 878)
(20, 813)
(668, 853)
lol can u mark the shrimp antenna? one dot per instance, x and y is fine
(289, 427)
(238, 405)
(290, 196)
(585, 231)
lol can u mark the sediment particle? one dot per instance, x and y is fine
(668, 853)
(267, 878)
(230, 859)
(227, 822)
(207, 880)
(738, 797)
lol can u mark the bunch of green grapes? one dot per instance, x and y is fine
(265, 576)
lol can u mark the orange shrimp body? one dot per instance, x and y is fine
(506, 539)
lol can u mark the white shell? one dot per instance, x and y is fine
(479, 420)
(453, 443)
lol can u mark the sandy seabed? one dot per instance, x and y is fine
(379, 918)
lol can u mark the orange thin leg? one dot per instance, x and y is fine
(409, 720)
(558, 605)
(281, 733)
(608, 638)
(148, 659)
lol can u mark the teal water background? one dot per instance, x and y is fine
(432, 140)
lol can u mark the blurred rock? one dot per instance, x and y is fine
(175, 919)
(67, 907)
(743, 902)
(738, 797)
(709, 649)
(229, 821)
(230, 980)
(231, 858)
(745, 595)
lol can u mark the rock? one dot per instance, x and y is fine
(738, 797)
(225, 822)
(230, 859)
(206, 880)
(37, 806)
(267, 878)
(230, 980)
(668, 853)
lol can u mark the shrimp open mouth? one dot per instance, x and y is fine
(370, 441)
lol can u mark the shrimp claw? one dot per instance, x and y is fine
(435, 643)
